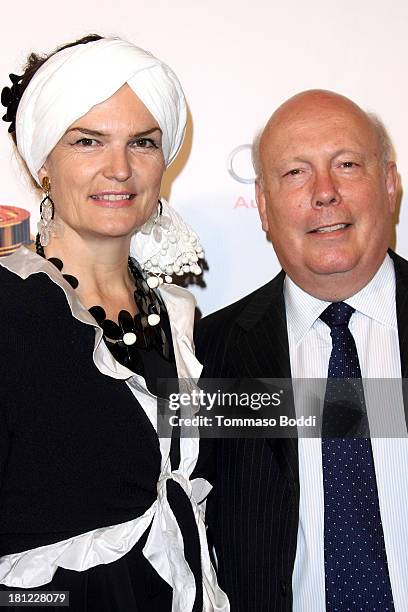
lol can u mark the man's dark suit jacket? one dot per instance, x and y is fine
(253, 510)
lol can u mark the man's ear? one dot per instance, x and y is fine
(261, 202)
(392, 182)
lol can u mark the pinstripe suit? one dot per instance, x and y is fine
(254, 508)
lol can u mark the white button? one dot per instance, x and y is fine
(153, 282)
(129, 338)
(153, 319)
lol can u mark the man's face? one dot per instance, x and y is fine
(326, 197)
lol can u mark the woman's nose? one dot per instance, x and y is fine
(118, 165)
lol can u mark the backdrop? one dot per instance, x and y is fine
(237, 61)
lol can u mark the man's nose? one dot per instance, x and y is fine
(118, 165)
(325, 190)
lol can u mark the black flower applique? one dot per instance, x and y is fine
(10, 97)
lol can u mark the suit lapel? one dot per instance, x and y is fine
(262, 351)
(401, 277)
(401, 298)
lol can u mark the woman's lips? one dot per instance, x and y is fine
(113, 200)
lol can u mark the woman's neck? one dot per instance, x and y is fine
(101, 268)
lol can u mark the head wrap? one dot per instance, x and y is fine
(75, 79)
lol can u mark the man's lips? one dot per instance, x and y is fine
(329, 229)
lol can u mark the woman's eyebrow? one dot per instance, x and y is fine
(97, 133)
(85, 131)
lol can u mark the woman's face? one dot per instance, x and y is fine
(106, 170)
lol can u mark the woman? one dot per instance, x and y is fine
(91, 500)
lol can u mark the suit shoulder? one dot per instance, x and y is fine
(401, 264)
(218, 334)
(221, 320)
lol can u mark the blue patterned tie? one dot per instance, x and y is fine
(355, 559)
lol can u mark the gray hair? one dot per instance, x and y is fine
(386, 147)
(387, 152)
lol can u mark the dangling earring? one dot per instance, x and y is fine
(161, 224)
(45, 225)
(156, 224)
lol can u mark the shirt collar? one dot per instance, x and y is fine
(376, 300)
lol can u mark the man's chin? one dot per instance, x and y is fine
(333, 266)
(332, 271)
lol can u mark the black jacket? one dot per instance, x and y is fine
(58, 411)
(253, 510)
(77, 451)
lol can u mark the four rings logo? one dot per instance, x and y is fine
(240, 164)
(241, 169)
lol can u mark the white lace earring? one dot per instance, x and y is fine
(166, 245)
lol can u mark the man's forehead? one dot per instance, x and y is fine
(320, 119)
(315, 100)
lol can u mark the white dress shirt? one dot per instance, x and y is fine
(374, 328)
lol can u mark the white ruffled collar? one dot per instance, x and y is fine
(179, 302)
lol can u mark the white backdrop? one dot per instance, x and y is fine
(237, 61)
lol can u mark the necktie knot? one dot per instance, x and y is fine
(338, 313)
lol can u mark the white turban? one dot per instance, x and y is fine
(74, 80)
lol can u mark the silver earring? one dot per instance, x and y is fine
(156, 224)
(45, 225)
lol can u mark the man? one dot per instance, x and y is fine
(313, 524)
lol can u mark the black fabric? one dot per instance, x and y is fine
(253, 509)
(183, 512)
(95, 452)
(128, 584)
(77, 451)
